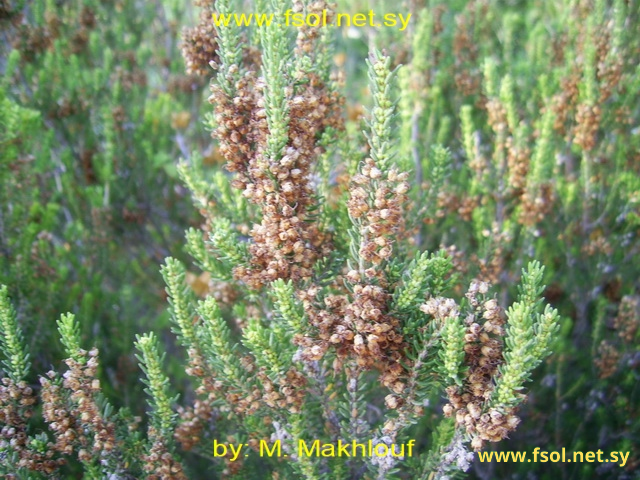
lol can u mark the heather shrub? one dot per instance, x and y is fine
(91, 112)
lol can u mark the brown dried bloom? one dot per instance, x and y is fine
(467, 78)
(627, 321)
(607, 360)
(199, 46)
(382, 217)
(537, 203)
(287, 242)
(81, 428)
(192, 423)
(307, 38)
(357, 323)
(588, 122)
(483, 355)
(288, 394)
(16, 407)
(159, 464)
(518, 159)
(32, 41)
(564, 103)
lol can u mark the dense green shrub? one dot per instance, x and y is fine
(92, 108)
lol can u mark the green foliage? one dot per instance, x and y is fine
(89, 139)
(70, 335)
(162, 416)
(528, 336)
(16, 362)
(452, 351)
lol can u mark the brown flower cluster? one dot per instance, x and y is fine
(357, 323)
(288, 241)
(497, 116)
(288, 394)
(597, 243)
(609, 71)
(587, 125)
(16, 407)
(609, 63)
(376, 199)
(246, 401)
(537, 203)
(192, 422)
(627, 321)
(483, 355)
(159, 463)
(243, 402)
(72, 411)
(360, 329)
(199, 45)
(607, 360)
(465, 49)
(86, 23)
(449, 203)
(492, 264)
(225, 293)
(32, 41)
(308, 36)
(129, 74)
(564, 102)
(518, 158)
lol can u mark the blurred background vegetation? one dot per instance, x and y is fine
(538, 103)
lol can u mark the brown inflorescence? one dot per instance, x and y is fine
(609, 62)
(381, 216)
(607, 359)
(483, 355)
(518, 158)
(357, 323)
(537, 204)
(82, 428)
(287, 394)
(587, 125)
(192, 422)
(492, 264)
(17, 401)
(627, 321)
(465, 49)
(130, 73)
(361, 329)
(199, 45)
(288, 241)
(306, 41)
(32, 41)
(159, 463)
(597, 243)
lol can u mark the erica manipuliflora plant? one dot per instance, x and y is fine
(324, 321)
(363, 281)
